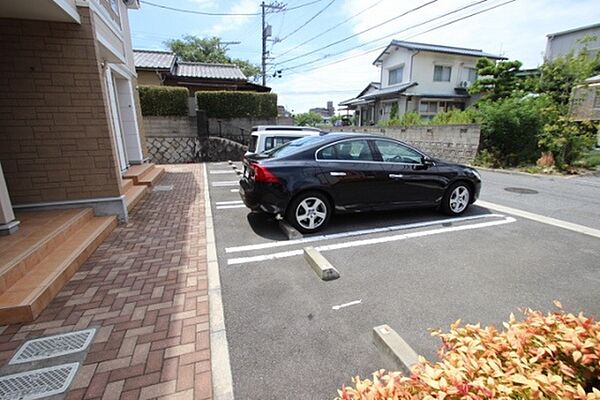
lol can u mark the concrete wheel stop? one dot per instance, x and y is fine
(320, 265)
(391, 345)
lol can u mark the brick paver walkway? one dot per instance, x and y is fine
(146, 290)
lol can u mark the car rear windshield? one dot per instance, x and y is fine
(293, 146)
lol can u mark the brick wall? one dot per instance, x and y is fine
(55, 137)
(456, 143)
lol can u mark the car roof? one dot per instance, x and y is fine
(283, 128)
(286, 133)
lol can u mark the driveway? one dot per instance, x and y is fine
(292, 335)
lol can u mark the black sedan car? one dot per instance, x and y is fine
(309, 179)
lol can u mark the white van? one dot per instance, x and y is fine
(266, 137)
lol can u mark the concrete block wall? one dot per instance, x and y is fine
(55, 137)
(457, 143)
(170, 127)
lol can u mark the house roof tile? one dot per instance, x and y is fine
(153, 59)
(439, 49)
(209, 71)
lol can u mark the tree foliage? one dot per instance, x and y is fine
(210, 50)
(560, 76)
(497, 80)
(308, 119)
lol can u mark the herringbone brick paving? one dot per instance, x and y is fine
(146, 290)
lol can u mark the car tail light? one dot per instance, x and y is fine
(262, 174)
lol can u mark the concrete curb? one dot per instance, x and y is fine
(222, 381)
(320, 265)
(521, 173)
(289, 231)
(393, 346)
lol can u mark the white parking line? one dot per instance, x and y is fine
(224, 203)
(229, 171)
(366, 242)
(541, 218)
(361, 232)
(231, 206)
(234, 190)
(352, 303)
(225, 183)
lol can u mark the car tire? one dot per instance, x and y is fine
(457, 198)
(309, 212)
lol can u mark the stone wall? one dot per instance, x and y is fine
(174, 140)
(457, 143)
(221, 149)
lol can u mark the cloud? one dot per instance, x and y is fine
(517, 30)
(234, 22)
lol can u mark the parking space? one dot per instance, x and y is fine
(289, 332)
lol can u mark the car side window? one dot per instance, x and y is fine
(274, 141)
(349, 150)
(395, 152)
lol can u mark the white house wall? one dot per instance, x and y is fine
(395, 59)
(424, 64)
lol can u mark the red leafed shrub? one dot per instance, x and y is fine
(553, 356)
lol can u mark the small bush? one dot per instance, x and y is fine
(553, 356)
(568, 140)
(163, 100)
(229, 104)
(454, 117)
(510, 128)
(407, 119)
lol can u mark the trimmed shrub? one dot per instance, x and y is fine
(553, 356)
(229, 104)
(163, 101)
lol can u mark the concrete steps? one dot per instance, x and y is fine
(144, 174)
(33, 277)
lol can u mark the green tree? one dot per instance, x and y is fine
(560, 76)
(209, 50)
(308, 119)
(497, 80)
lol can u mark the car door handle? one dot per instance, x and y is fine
(396, 176)
(337, 173)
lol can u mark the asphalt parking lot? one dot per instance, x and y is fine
(292, 335)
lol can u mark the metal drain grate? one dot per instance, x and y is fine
(162, 188)
(38, 383)
(53, 346)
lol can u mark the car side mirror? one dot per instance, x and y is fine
(426, 161)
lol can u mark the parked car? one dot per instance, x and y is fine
(267, 137)
(308, 180)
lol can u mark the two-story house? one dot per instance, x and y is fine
(419, 77)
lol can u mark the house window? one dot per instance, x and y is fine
(597, 99)
(428, 107)
(471, 74)
(395, 75)
(441, 73)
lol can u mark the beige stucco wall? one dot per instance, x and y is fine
(55, 137)
(148, 78)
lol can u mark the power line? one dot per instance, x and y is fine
(219, 14)
(361, 32)
(330, 29)
(307, 22)
(383, 47)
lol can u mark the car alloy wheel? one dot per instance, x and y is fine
(311, 213)
(459, 199)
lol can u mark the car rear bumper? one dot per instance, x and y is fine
(265, 197)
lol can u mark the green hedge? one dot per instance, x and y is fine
(224, 104)
(163, 100)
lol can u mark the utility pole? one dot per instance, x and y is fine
(266, 33)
